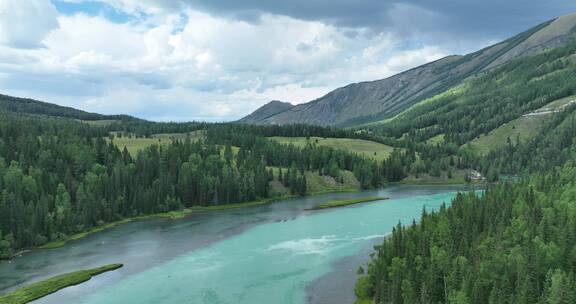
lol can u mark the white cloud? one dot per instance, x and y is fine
(295, 93)
(82, 33)
(197, 67)
(23, 24)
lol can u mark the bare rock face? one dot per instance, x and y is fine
(375, 100)
(556, 33)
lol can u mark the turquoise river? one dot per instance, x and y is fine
(277, 253)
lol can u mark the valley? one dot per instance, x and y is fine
(228, 247)
(450, 182)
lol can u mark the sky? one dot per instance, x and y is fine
(218, 60)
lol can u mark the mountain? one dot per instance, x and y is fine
(376, 100)
(28, 106)
(270, 109)
(512, 102)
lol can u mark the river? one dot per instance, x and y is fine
(276, 253)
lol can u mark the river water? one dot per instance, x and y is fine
(276, 253)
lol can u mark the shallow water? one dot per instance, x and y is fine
(276, 253)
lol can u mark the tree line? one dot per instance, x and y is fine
(59, 176)
(513, 244)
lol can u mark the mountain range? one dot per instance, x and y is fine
(371, 101)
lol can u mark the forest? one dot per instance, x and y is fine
(512, 243)
(60, 176)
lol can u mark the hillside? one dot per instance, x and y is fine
(362, 147)
(28, 106)
(533, 86)
(513, 243)
(523, 128)
(376, 100)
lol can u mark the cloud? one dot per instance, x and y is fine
(219, 60)
(23, 24)
(434, 18)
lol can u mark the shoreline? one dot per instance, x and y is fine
(287, 204)
(53, 284)
(178, 214)
(346, 202)
(172, 215)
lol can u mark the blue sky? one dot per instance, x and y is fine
(218, 60)
(93, 8)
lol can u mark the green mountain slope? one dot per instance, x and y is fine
(28, 106)
(376, 100)
(523, 128)
(490, 100)
(515, 242)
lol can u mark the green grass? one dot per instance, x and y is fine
(364, 147)
(524, 127)
(346, 202)
(457, 90)
(134, 144)
(99, 123)
(438, 139)
(43, 288)
(194, 135)
(558, 104)
(317, 184)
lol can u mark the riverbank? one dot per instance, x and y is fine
(43, 288)
(177, 214)
(362, 291)
(297, 248)
(347, 202)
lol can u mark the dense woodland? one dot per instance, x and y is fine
(514, 243)
(59, 176)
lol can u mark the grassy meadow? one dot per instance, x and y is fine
(524, 128)
(134, 144)
(364, 147)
